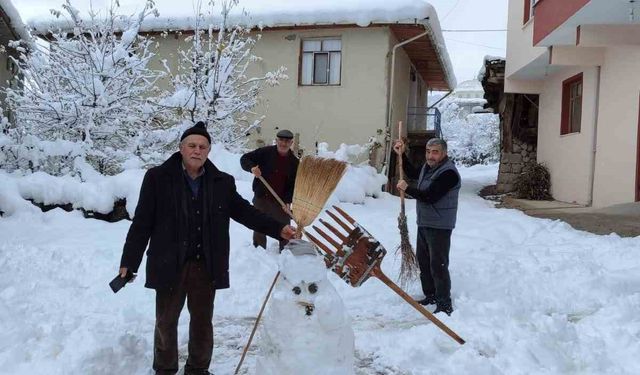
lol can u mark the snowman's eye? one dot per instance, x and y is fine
(296, 290)
(313, 288)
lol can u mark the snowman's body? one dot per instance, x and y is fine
(305, 329)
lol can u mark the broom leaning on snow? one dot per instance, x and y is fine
(316, 179)
(409, 263)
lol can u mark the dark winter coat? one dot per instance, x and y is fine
(265, 158)
(161, 221)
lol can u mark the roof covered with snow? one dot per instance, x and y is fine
(180, 15)
(11, 16)
(470, 85)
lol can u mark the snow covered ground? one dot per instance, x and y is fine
(531, 296)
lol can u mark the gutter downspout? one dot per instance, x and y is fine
(596, 111)
(387, 142)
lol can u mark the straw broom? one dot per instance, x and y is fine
(316, 179)
(409, 263)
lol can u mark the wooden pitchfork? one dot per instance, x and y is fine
(357, 256)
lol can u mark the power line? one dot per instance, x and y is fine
(474, 31)
(475, 44)
(451, 10)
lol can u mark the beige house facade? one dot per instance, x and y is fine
(581, 58)
(355, 100)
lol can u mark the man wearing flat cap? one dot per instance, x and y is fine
(278, 166)
(183, 215)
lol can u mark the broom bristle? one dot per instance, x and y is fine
(316, 179)
(409, 262)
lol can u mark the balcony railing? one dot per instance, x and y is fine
(424, 120)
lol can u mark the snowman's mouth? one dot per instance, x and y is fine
(308, 307)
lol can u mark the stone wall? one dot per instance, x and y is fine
(512, 164)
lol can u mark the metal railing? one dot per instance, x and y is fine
(424, 119)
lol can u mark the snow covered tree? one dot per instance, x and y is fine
(472, 139)
(86, 93)
(211, 81)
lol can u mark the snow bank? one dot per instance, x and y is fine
(95, 192)
(360, 180)
(11, 201)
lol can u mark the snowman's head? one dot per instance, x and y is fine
(304, 273)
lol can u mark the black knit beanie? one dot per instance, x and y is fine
(200, 128)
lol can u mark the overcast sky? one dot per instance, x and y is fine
(466, 50)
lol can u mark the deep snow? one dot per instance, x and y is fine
(531, 296)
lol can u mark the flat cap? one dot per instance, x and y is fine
(284, 133)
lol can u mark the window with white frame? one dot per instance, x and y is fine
(321, 61)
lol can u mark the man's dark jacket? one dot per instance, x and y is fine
(161, 220)
(265, 158)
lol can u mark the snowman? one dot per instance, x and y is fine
(305, 329)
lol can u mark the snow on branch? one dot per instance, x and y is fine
(211, 82)
(88, 89)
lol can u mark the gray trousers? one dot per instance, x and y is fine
(432, 251)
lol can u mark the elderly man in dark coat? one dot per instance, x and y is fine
(183, 214)
(278, 166)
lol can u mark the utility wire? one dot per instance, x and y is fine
(475, 44)
(451, 10)
(474, 31)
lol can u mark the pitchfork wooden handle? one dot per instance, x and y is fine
(377, 272)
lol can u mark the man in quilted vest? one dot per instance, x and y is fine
(436, 194)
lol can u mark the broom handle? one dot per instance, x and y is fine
(400, 168)
(275, 195)
(255, 325)
(299, 231)
(377, 272)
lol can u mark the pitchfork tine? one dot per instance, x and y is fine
(337, 220)
(341, 236)
(319, 243)
(327, 237)
(344, 214)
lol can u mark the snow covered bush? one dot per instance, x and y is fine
(474, 139)
(211, 81)
(85, 94)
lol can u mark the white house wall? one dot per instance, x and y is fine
(568, 156)
(617, 127)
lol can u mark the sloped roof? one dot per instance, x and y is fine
(10, 16)
(179, 15)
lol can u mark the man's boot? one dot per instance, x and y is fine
(444, 307)
(428, 300)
